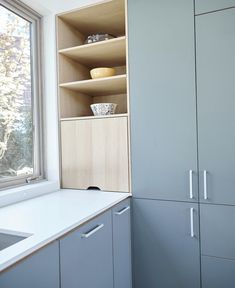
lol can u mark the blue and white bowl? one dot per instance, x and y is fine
(101, 109)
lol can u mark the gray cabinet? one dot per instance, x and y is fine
(217, 230)
(218, 273)
(166, 244)
(122, 245)
(203, 6)
(163, 110)
(86, 255)
(216, 106)
(217, 244)
(40, 270)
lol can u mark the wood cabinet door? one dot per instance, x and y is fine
(95, 154)
(163, 101)
(122, 245)
(216, 106)
(166, 250)
(86, 257)
(203, 6)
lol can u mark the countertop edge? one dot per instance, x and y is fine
(33, 249)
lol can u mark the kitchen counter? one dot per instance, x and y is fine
(49, 217)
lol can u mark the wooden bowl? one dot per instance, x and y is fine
(102, 72)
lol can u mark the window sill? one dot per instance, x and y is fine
(25, 192)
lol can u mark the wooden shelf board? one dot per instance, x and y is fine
(99, 87)
(108, 17)
(109, 52)
(94, 117)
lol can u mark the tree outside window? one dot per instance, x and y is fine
(16, 112)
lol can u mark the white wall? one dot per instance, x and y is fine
(48, 9)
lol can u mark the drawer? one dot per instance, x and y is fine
(203, 6)
(217, 231)
(218, 273)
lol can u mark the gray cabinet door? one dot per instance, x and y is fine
(166, 255)
(218, 273)
(162, 95)
(217, 230)
(86, 255)
(216, 106)
(41, 270)
(122, 245)
(203, 6)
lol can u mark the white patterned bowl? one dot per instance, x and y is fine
(101, 109)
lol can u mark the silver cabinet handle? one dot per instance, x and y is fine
(192, 222)
(191, 184)
(93, 231)
(205, 184)
(122, 211)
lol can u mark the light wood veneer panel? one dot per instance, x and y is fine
(95, 153)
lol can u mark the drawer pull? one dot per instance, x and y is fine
(93, 231)
(122, 211)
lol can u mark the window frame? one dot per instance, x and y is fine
(34, 18)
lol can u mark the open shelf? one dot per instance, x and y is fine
(100, 53)
(99, 87)
(94, 117)
(108, 17)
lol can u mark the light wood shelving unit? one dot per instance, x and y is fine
(77, 91)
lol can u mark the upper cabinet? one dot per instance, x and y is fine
(204, 6)
(94, 152)
(163, 102)
(216, 106)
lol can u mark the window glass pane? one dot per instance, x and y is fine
(16, 117)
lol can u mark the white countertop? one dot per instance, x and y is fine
(49, 217)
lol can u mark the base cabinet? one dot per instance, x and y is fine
(217, 272)
(217, 231)
(122, 245)
(166, 245)
(98, 254)
(86, 255)
(41, 270)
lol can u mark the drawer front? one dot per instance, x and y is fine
(122, 245)
(86, 255)
(218, 273)
(217, 230)
(203, 6)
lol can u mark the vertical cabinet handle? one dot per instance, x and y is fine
(192, 222)
(122, 211)
(191, 184)
(205, 184)
(93, 231)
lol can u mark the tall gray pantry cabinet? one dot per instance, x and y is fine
(182, 68)
(215, 47)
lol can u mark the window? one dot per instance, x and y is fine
(20, 94)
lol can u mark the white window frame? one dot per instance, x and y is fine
(30, 15)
